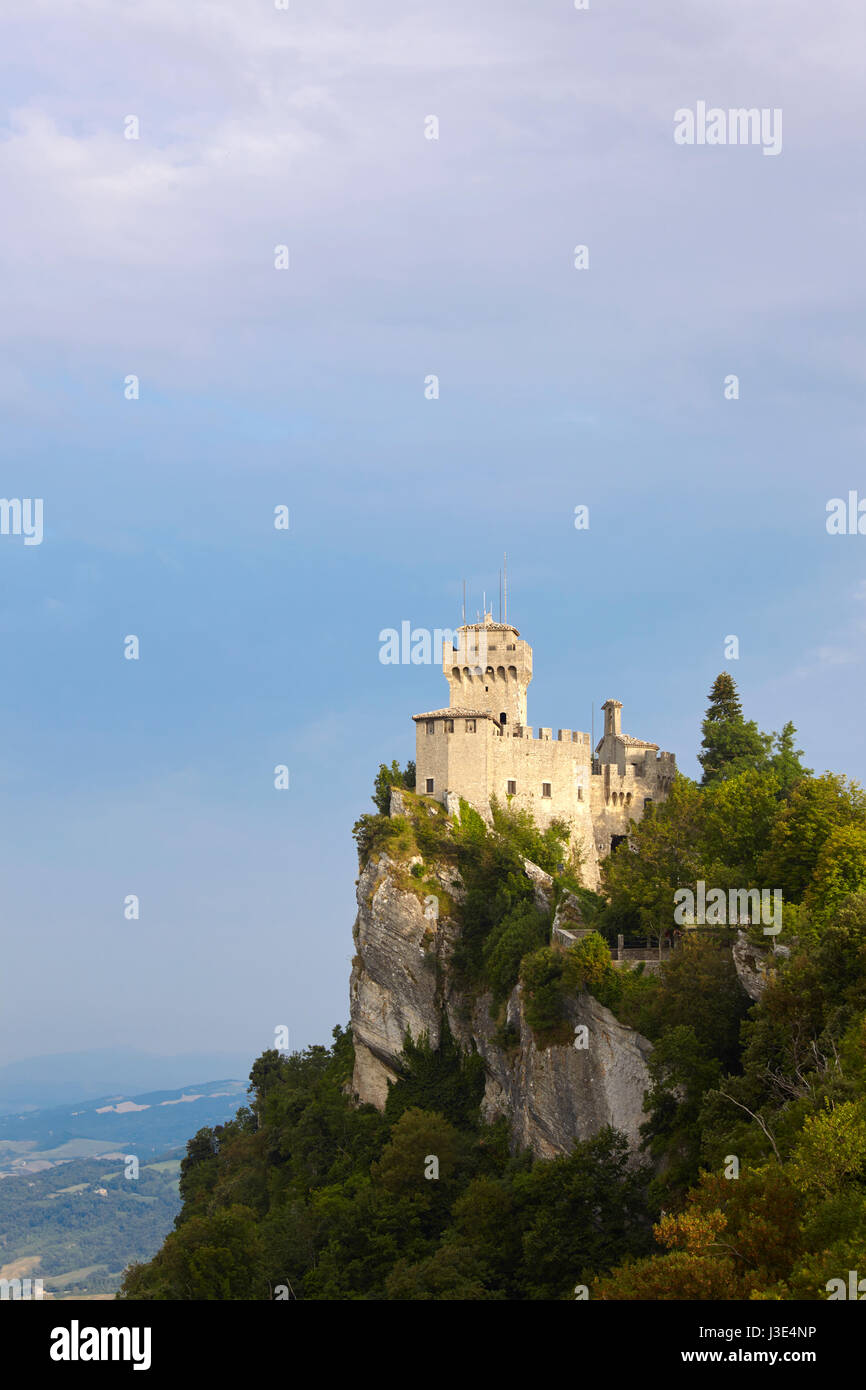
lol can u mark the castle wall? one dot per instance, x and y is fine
(480, 765)
(457, 762)
(488, 673)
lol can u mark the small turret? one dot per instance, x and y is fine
(612, 717)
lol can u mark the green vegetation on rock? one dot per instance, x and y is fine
(306, 1191)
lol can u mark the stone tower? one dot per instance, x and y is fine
(489, 670)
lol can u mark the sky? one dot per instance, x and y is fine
(306, 387)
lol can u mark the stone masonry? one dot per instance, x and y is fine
(481, 746)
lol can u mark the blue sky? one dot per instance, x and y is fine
(306, 387)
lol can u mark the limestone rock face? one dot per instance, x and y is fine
(569, 913)
(542, 885)
(553, 1096)
(401, 981)
(393, 985)
(754, 966)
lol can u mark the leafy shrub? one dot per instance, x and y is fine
(373, 834)
(523, 929)
(543, 994)
(546, 848)
(433, 834)
(443, 1079)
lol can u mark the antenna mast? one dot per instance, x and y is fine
(505, 588)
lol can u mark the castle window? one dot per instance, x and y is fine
(580, 793)
(449, 726)
(503, 718)
(429, 786)
(512, 789)
(470, 726)
(431, 726)
(545, 789)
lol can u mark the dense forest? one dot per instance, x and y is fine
(751, 1182)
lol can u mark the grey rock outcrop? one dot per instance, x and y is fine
(542, 885)
(556, 1095)
(401, 981)
(754, 965)
(393, 988)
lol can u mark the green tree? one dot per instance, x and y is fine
(546, 848)
(698, 987)
(217, 1257)
(524, 928)
(667, 855)
(739, 813)
(840, 871)
(543, 995)
(388, 777)
(587, 964)
(817, 806)
(417, 1137)
(831, 1149)
(454, 1273)
(681, 1071)
(442, 1079)
(729, 744)
(785, 762)
(580, 1214)
(198, 1170)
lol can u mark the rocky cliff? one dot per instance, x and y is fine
(755, 965)
(402, 980)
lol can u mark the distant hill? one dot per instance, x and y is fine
(144, 1125)
(35, 1083)
(78, 1225)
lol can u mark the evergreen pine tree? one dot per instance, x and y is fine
(730, 744)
